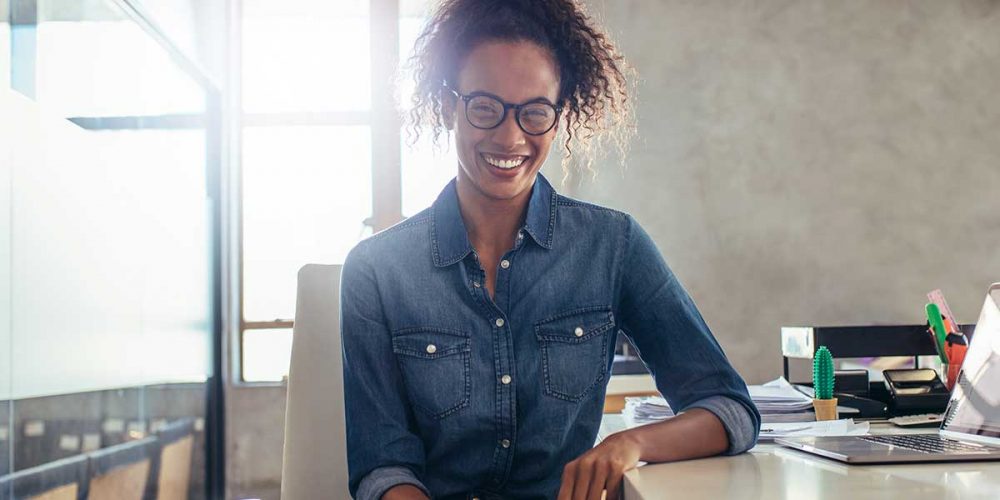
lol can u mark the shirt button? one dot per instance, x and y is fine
(520, 234)
(505, 443)
(499, 322)
(431, 348)
(476, 284)
(505, 263)
(578, 332)
(506, 380)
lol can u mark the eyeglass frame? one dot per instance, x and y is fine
(506, 105)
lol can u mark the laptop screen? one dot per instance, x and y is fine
(975, 403)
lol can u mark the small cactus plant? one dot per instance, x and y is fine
(823, 373)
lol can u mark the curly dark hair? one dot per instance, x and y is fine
(594, 93)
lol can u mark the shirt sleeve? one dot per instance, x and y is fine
(687, 363)
(382, 449)
(741, 428)
(378, 481)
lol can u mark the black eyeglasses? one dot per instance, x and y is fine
(485, 111)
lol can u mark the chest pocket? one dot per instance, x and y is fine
(574, 351)
(435, 368)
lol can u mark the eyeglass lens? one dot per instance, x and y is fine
(486, 112)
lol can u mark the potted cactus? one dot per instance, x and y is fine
(823, 400)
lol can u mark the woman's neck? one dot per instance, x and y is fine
(492, 224)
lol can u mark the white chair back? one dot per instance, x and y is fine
(315, 456)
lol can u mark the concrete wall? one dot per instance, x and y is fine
(814, 162)
(255, 437)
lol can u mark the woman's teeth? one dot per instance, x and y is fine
(504, 164)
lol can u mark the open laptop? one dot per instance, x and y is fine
(971, 426)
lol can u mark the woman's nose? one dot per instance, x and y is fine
(509, 133)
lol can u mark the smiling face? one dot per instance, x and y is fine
(501, 163)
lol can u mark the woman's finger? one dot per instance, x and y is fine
(614, 484)
(568, 481)
(598, 473)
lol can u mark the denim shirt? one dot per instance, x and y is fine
(466, 396)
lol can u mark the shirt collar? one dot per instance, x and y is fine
(450, 240)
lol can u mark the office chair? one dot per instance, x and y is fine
(170, 478)
(120, 472)
(315, 456)
(64, 479)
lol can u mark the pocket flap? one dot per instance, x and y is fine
(429, 343)
(578, 325)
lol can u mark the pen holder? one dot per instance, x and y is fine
(826, 409)
(951, 370)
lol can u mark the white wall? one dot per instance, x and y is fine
(814, 162)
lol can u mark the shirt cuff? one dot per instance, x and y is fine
(379, 480)
(736, 419)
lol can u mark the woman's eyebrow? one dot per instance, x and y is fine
(529, 101)
(540, 99)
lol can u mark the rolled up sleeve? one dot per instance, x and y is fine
(378, 481)
(687, 363)
(382, 449)
(738, 420)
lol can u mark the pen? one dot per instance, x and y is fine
(794, 429)
(937, 327)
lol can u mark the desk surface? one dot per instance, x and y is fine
(771, 471)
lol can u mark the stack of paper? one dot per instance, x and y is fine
(646, 410)
(778, 396)
(776, 400)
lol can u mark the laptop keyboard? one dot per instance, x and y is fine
(926, 443)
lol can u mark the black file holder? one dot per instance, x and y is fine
(798, 344)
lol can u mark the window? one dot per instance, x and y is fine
(317, 105)
(306, 159)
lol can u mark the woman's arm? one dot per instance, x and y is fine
(687, 363)
(715, 412)
(382, 449)
(603, 467)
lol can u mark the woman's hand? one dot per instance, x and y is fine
(601, 468)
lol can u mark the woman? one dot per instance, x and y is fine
(478, 334)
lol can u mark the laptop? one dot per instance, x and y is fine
(970, 429)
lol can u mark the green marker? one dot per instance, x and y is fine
(934, 318)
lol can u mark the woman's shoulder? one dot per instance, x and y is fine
(578, 212)
(398, 239)
(565, 202)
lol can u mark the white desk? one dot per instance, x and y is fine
(773, 472)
